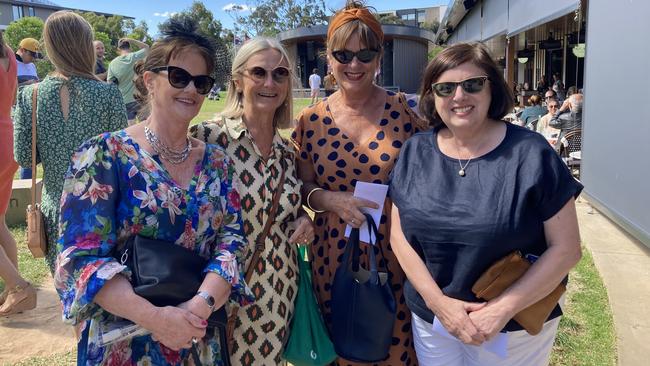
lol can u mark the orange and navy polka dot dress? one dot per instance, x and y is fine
(339, 163)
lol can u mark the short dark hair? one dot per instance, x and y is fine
(314, 71)
(453, 56)
(124, 45)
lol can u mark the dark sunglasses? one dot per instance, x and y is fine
(280, 74)
(345, 56)
(179, 78)
(472, 85)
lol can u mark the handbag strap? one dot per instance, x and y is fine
(34, 104)
(353, 250)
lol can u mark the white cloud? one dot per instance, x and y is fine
(236, 7)
(166, 14)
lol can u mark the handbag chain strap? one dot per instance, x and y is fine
(259, 248)
(34, 104)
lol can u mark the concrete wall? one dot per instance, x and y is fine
(616, 126)
(408, 78)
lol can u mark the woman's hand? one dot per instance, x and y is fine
(303, 230)
(455, 317)
(176, 328)
(347, 207)
(197, 306)
(490, 319)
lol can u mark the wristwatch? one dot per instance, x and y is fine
(209, 300)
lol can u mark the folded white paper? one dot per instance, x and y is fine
(373, 192)
(497, 345)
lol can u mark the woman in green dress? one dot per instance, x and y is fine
(72, 106)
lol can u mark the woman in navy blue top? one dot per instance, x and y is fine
(468, 193)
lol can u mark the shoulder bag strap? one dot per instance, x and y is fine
(34, 104)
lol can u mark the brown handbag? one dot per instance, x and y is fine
(36, 239)
(504, 273)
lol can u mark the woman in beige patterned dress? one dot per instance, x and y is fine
(257, 104)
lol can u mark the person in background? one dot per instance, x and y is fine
(314, 85)
(354, 136)
(100, 69)
(154, 181)
(543, 126)
(258, 104)
(541, 85)
(533, 111)
(72, 106)
(330, 84)
(28, 52)
(121, 73)
(467, 194)
(568, 117)
(18, 294)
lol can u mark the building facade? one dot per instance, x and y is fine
(405, 54)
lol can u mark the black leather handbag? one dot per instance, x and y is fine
(168, 274)
(363, 305)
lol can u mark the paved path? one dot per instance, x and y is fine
(624, 265)
(39, 332)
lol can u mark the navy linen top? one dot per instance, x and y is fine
(460, 226)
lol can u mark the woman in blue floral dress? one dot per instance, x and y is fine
(152, 180)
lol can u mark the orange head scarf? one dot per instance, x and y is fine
(349, 15)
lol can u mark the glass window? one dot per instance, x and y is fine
(31, 12)
(410, 16)
(18, 11)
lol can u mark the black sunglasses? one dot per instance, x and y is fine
(280, 74)
(472, 85)
(180, 78)
(345, 56)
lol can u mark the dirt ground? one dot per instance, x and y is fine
(39, 332)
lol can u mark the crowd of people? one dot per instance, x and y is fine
(465, 189)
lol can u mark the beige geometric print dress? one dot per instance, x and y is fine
(262, 328)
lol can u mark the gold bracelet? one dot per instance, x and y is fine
(309, 196)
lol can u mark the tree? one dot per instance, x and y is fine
(390, 19)
(432, 26)
(27, 27)
(208, 26)
(141, 33)
(113, 26)
(270, 17)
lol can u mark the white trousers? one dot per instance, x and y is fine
(434, 349)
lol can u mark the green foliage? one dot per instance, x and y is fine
(141, 33)
(208, 26)
(434, 52)
(390, 19)
(113, 26)
(43, 67)
(271, 17)
(27, 27)
(432, 26)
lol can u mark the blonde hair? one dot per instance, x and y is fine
(68, 40)
(234, 107)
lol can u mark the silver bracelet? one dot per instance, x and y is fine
(309, 196)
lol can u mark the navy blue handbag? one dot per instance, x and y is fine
(363, 305)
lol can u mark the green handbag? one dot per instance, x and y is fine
(309, 343)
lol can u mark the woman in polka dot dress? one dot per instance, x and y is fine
(354, 135)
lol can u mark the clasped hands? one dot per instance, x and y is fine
(472, 323)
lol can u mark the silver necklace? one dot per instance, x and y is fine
(173, 156)
(461, 172)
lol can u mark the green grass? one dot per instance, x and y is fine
(32, 269)
(586, 335)
(212, 107)
(61, 359)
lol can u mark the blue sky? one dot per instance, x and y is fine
(154, 12)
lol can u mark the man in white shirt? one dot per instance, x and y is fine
(28, 51)
(314, 84)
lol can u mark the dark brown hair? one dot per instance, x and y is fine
(2, 46)
(453, 56)
(179, 37)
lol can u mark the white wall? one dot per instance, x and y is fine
(616, 126)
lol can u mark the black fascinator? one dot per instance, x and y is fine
(184, 26)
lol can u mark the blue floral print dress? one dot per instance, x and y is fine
(114, 190)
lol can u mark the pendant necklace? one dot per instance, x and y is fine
(461, 172)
